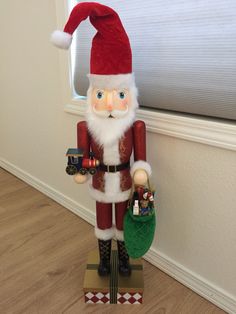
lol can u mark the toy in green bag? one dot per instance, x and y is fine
(140, 222)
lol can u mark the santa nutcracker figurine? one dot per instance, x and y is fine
(110, 131)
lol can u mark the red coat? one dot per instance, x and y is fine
(134, 140)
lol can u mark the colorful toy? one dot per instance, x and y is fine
(77, 162)
(136, 209)
(146, 202)
(142, 201)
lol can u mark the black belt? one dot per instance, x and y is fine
(114, 168)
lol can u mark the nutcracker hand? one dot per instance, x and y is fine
(79, 178)
(140, 177)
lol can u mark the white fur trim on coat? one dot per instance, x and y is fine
(112, 81)
(106, 234)
(112, 193)
(119, 235)
(109, 198)
(142, 165)
(61, 39)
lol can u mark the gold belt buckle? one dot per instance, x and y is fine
(108, 168)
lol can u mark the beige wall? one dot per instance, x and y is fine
(195, 183)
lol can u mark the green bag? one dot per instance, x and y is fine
(138, 232)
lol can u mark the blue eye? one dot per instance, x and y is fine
(99, 94)
(121, 95)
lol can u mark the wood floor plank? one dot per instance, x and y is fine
(43, 254)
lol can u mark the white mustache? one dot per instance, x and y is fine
(114, 113)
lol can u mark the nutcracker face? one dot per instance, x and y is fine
(111, 104)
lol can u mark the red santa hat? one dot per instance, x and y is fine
(111, 56)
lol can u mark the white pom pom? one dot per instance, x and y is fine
(61, 39)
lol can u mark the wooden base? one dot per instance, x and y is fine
(113, 289)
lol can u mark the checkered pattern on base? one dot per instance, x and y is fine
(129, 298)
(113, 289)
(97, 297)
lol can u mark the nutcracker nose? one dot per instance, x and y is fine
(109, 101)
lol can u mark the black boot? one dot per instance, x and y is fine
(123, 257)
(105, 255)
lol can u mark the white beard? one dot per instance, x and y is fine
(108, 130)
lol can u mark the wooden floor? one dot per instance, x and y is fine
(43, 252)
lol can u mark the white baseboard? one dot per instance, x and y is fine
(188, 278)
(198, 284)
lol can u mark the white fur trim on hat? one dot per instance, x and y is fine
(119, 234)
(112, 81)
(142, 165)
(104, 234)
(61, 39)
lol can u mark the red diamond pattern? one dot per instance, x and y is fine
(105, 299)
(122, 298)
(129, 298)
(97, 297)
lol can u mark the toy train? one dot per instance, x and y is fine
(77, 162)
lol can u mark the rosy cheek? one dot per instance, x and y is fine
(98, 107)
(124, 104)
